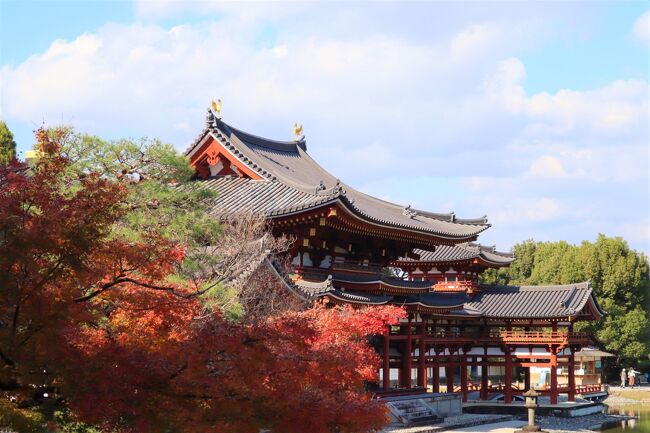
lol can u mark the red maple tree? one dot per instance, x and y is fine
(101, 324)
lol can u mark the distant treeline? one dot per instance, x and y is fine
(619, 276)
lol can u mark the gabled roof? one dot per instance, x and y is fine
(528, 302)
(290, 181)
(561, 302)
(460, 253)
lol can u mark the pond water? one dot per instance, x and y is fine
(640, 425)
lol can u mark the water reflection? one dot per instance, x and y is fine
(639, 425)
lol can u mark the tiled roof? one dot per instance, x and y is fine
(441, 300)
(384, 280)
(292, 181)
(493, 302)
(461, 252)
(532, 301)
(361, 298)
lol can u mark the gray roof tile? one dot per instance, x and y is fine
(532, 301)
(460, 252)
(293, 181)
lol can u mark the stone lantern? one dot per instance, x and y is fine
(531, 404)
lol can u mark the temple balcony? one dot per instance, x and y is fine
(560, 338)
(465, 286)
(354, 266)
(552, 337)
(339, 266)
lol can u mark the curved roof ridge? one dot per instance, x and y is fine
(278, 145)
(580, 285)
(197, 140)
(492, 249)
(289, 164)
(451, 217)
(460, 252)
(301, 151)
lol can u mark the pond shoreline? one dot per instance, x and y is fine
(582, 424)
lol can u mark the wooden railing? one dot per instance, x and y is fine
(561, 338)
(586, 389)
(552, 337)
(455, 286)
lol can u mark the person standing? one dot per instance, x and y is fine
(623, 378)
(631, 376)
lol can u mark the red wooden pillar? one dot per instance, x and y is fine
(553, 375)
(463, 376)
(435, 379)
(527, 369)
(526, 378)
(484, 378)
(507, 392)
(572, 377)
(449, 372)
(409, 355)
(386, 367)
(422, 371)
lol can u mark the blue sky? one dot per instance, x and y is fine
(535, 113)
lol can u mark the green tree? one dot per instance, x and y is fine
(618, 274)
(7, 144)
(164, 201)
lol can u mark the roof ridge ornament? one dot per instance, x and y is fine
(298, 134)
(320, 187)
(209, 119)
(216, 108)
(407, 211)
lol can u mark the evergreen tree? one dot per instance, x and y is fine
(618, 274)
(7, 144)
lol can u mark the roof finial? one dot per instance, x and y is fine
(216, 108)
(297, 132)
(209, 119)
(407, 211)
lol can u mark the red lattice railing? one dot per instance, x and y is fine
(455, 286)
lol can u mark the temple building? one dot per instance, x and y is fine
(460, 336)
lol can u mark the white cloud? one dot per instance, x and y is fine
(378, 108)
(474, 40)
(620, 106)
(641, 29)
(543, 209)
(547, 166)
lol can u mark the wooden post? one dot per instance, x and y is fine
(526, 378)
(449, 372)
(386, 367)
(484, 377)
(553, 375)
(422, 371)
(463, 376)
(435, 379)
(408, 354)
(572, 377)
(507, 392)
